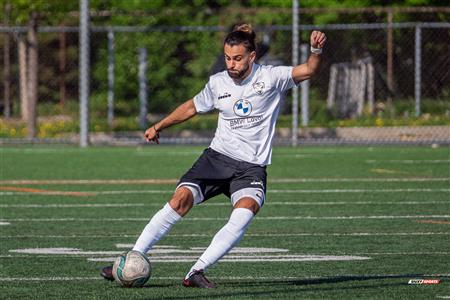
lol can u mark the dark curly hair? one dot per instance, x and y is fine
(242, 34)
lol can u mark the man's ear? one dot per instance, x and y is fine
(252, 56)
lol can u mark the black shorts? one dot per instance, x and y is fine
(214, 173)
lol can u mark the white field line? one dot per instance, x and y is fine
(20, 279)
(99, 205)
(64, 151)
(406, 253)
(312, 180)
(231, 258)
(174, 181)
(326, 191)
(275, 191)
(156, 251)
(90, 181)
(274, 258)
(4, 223)
(358, 234)
(235, 250)
(238, 278)
(225, 219)
(173, 153)
(346, 203)
(410, 161)
(259, 258)
(94, 193)
(332, 218)
(102, 205)
(161, 150)
(242, 254)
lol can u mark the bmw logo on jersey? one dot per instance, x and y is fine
(242, 108)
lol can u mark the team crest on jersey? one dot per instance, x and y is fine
(259, 87)
(242, 108)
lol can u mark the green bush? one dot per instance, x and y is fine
(57, 121)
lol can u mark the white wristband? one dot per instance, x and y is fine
(316, 50)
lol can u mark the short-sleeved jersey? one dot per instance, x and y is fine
(247, 111)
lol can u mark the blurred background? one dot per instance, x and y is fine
(101, 71)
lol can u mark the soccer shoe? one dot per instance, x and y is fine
(198, 280)
(107, 273)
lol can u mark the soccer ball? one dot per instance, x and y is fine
(132, 269)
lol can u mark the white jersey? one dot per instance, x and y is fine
(247, 111)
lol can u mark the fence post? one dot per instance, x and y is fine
(295, 42)
(110, 78)
(23, 76)
(304, 88)
(370, 85)
(62, 57)
(7, 63)
(390, 50)
(143, 87)
(32, 79)
(84, 73)
(418, 68)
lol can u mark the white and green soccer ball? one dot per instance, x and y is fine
(132, 269)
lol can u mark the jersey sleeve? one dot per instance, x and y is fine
(204, 101)
(282, 76)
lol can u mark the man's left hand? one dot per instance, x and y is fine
(318, 39)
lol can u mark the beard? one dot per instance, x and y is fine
(238, 74)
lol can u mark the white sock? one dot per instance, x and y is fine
(158, 226)
(225, 239)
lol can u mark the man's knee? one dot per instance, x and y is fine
(182, 201)
(250, 198)
(248, 203)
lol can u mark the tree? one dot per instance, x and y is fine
(32, 74)
(26, 12)
(7, 65)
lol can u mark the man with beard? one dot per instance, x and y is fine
(247, 96)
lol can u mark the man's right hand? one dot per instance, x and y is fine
(182, 113)
(152, 135)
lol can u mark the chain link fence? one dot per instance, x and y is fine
(379, 83)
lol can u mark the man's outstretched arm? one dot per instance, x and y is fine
(182, 113)
(307, 70)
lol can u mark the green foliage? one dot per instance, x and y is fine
(59, 121)
(57, 9)
(179, 63)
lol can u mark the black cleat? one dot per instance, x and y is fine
(107, 273)
(198, 280)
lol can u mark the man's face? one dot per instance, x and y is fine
(238, 61)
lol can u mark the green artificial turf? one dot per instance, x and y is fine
(388, 206)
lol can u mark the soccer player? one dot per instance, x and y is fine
(247, 96)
